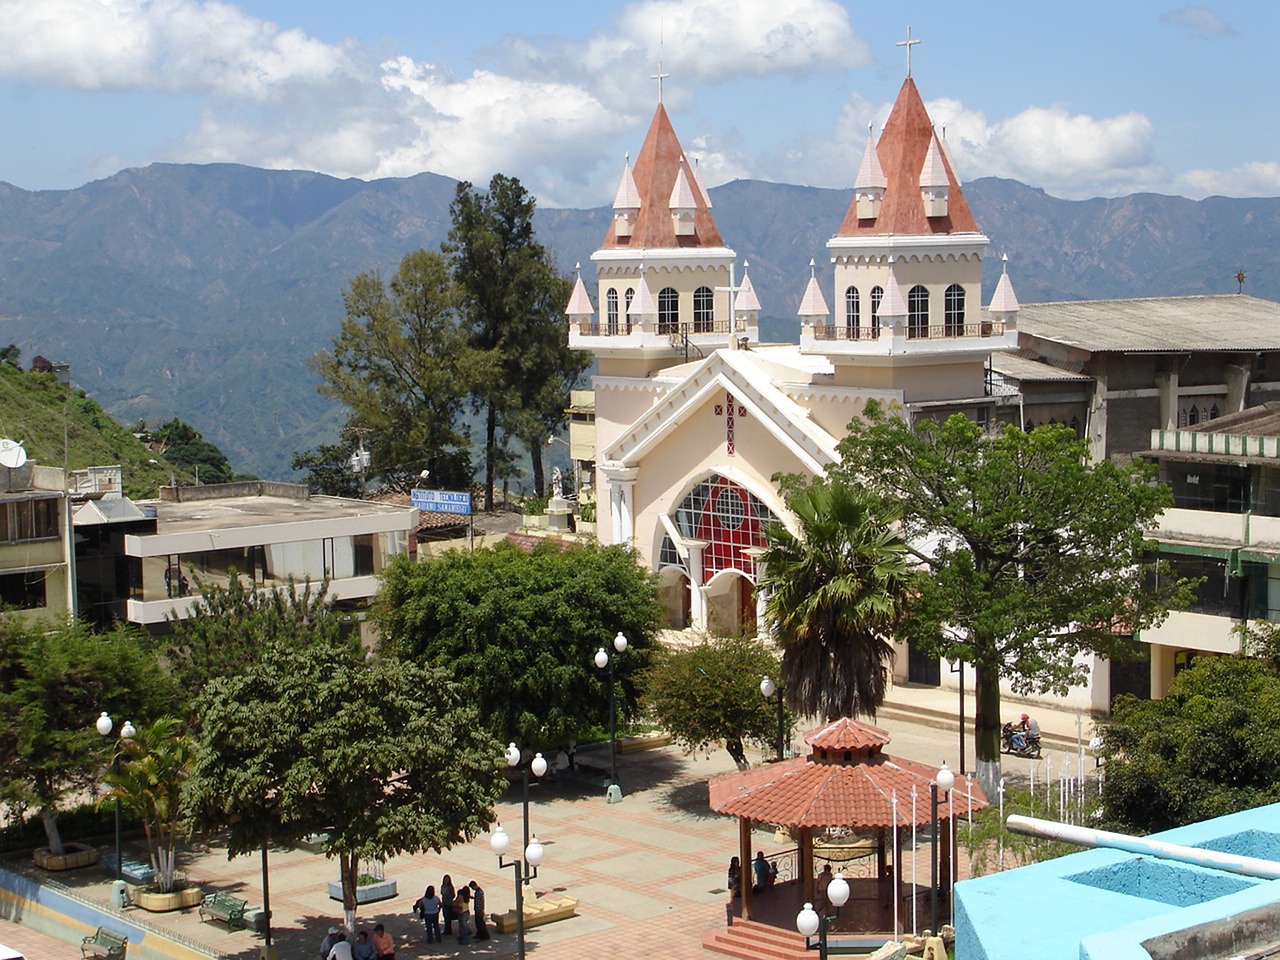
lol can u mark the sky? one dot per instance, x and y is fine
(1087, 98)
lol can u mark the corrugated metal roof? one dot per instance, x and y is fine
(1157, 324)
(1021, 368)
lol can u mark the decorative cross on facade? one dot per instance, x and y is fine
(728, 409)
(908, 43)
(660, 76)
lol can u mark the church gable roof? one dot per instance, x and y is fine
(751, 386)
(657, 166)
(902, 150)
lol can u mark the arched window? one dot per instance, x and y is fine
(1193, 417)
(953, 310)
(626, 311)
(917, 312)
(1213, 412)
(668, 311)
(852, 313)
(877, 294)
(729, 518)
(612, 299)
(703, 310)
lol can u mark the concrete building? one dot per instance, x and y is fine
(36, 560)
(151, 557)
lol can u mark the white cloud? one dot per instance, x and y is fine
(1254, 179)
(1199, 19)
(163, 45)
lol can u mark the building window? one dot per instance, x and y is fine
(852, 313)
(729, 518)
(626, 306)
(28, 520)
(953, 310)
(877, 294)
(703, 310)
(917, 312)
(668, 311)
(1193, 415)
(23, 591)
(611, 298)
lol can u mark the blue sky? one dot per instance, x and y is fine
(1088, 98)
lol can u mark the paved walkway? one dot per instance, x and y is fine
(32, 945)
(649, 872)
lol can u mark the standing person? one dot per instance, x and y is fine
(363, 948)
(461, 913)
(447, 896)
(761, 868)
(735, 877)
(477, 901)
(431, 914)
(384, 948)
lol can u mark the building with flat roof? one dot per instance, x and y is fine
(36, 577)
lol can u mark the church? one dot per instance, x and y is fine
(694, 416)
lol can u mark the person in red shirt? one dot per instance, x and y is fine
(383, 945)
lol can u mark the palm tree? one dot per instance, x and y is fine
(833, 595)
(157, 763)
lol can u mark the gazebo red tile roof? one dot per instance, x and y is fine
(853, 787)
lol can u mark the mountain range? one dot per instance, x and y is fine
(199, 291)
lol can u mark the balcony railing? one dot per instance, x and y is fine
(833, 332)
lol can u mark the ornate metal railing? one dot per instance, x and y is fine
(951, 331)
(834, 332)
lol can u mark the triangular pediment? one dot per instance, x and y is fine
(734, 372)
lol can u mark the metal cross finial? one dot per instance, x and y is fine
(908, 43)
(660, 76)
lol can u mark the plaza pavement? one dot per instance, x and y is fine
(649, 872)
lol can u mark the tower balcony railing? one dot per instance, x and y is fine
(944, 331)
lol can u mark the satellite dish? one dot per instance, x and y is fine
(11, 454)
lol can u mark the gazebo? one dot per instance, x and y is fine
(842, 801)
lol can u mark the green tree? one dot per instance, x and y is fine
(834, 594)
(53, 685)
(519, 630)
(327, 470)
(184, 446)
(710, 693)
(1034, 555)
(513, 298)
(157, 763)
(382, 756)
(1204, 750)
(230, 626)
(402, 364)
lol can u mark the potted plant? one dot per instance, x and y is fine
(372, 885)
(587, 517)
(535, 512)
(149, 782)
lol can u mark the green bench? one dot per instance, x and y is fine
(223, 906)
(103, 943)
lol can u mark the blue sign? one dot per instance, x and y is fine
(441, 501)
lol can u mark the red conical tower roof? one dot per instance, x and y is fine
(902, 149)
(656, 169)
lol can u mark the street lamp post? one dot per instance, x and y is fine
(524, 872)
(602, 660)
(769, 688)
(539, 767)
(944, 781)
(127, 732)
(809, 921)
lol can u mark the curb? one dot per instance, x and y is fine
(940, 720)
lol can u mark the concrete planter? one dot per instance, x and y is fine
(77, 855)
(154, 902)
(535, 521)
(369, 893)
(587, 527)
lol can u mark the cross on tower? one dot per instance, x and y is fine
(908, 43)
(660, 76)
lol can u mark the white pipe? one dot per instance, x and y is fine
(1197, 856)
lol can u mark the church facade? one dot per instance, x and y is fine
(695, 417)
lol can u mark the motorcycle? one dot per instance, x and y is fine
(1030, 749)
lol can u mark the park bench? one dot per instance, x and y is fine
(223, 906)
(537, 912)
(103, 943)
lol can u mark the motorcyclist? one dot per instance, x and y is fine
(1026, 731)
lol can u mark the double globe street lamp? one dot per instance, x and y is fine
(769, 688)
(809, 921)
(603, 660)
(539, 767)
(105, 725)
(524, 872)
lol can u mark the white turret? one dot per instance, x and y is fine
(813, 310)
(933, 182)
(868, 188)
(579, 310)
(1004, 303)
(626, 204)
(684, 204)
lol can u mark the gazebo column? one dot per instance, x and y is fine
(947, 846)
(804, 855)
(901, 910)
(744, 852)
(882, 864)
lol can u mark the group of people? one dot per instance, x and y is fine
(453, 906)
(765, 873)
(336, 946)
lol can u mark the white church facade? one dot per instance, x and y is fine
(694, 416)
